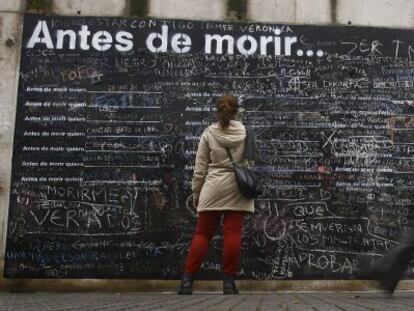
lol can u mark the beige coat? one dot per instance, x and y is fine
(214, 183)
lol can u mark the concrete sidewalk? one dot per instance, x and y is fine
(402, 300)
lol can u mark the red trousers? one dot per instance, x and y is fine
(206, 227)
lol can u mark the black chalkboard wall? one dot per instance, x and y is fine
(109, 115)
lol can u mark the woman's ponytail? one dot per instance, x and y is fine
(227, 108)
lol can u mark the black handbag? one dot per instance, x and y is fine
(249, 184)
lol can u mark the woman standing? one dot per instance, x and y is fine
(216, 194)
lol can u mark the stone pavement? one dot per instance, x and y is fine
(315, 301)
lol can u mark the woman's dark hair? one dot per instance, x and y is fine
(227, 108)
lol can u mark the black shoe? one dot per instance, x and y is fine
(229, 286)
(186, 285)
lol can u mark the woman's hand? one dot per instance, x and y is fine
(195, 203)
